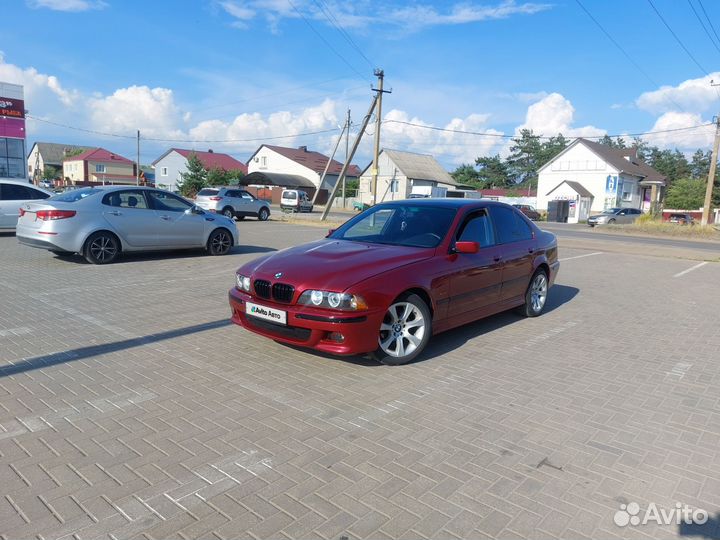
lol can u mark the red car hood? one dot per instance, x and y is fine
(332, 264)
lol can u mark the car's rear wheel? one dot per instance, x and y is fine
(263, 214)
(536, 294)
(101, 248)
(611, 221)
(219, 242)
(228, 212)
(404, 331)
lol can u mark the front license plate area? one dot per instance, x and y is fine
(266, 313)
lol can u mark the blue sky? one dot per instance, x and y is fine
(249, 72)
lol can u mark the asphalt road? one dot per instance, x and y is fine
(563, 230)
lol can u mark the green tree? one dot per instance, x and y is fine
(217, 177)
(672, 164)
(528, 154)
(493, 172)
(618, 142)
(51, 172)
(194, 179)
(700, 164)
(685, 194)
(466, 175)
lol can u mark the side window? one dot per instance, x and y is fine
(168, 202)
(510, 227)
(232, 193)
(477, 228)
(132, 199)
(12, 192)
(246, 195)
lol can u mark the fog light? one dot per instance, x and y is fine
(337, 337)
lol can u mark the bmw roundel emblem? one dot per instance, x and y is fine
(278, 275)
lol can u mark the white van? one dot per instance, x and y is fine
(294, 200)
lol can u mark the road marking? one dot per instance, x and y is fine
(690, 269)
(581, 256)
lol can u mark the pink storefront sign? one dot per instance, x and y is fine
(12, 127)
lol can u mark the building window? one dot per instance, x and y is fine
(12, 158)
(627, 196)
(163, 171)
(263, 161)
(99, 167)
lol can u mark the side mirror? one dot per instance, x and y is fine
(195, 210)
(330, 231)
(467, 247)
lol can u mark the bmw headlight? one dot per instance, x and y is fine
(242, 282)
(332, 300)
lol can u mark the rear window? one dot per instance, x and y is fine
(289, 195)
(206, 192)
(74, 195)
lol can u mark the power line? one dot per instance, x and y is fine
(333, 49)
(697, 15)
(330, 16)
(81, 129)
(503, 136)
(712, 27)
(677, 38)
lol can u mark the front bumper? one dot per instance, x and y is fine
(312, 327)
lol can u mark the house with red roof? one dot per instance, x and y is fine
(172, 163)
(97, 166)
(300, 168)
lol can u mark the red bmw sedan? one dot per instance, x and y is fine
(388, 279)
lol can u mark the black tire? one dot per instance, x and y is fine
(536, 294)
(400, 329)
(219, 242)
(263, 214)
(101, 248)
(611, 221)
(228, 212)
(240, 218)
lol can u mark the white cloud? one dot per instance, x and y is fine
(555, 114)
(67, 5)
(693, 95)
(37, 85)
(685, 140)
(365, 14)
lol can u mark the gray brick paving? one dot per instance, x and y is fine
(130, 408)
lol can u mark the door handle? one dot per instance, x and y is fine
(115, 213)
(531, 250)
(166, 218)
(497, 258)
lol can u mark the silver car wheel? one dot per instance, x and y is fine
(263, 214)
(102, 249)
(402, 330)
(538, 292)
(220, 242)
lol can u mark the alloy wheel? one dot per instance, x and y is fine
(103, 249)
(402, 330)
(538, 292)
(220, 243)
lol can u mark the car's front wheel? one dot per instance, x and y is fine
(536, 294)
(219, 242)
(404, 331)
(228, 212)
(101, 248)
(263, 214)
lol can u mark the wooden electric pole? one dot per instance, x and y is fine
(380, 74)
(347, 152)
(137, 169)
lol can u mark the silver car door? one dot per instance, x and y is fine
(131, 217)
(11, 197)
(178, 227)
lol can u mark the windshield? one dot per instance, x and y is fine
(408, 225)
(289, 195)
(73, 195)
(612, 210)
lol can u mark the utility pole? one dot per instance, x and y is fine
(711, 175)
(341, 179)
(137, 169)
(380, 74)
(327, 166)
(347, 152)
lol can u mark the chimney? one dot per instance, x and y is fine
(210, 151)
(303, 148)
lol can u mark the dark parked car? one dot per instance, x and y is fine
(399, 272)
(529, 211)
(682, 219)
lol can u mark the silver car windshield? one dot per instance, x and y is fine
(74, 195)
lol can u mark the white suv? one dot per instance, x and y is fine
(232, 202)
(294, 200)
(12, 194)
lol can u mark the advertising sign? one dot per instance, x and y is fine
(11, 107)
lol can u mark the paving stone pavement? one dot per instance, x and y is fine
(130, 408)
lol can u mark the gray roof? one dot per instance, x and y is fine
(54, 153)
(276, 179)
(618, 158)
(577, 186)
(420, 167)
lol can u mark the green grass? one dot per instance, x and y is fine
(656, 227)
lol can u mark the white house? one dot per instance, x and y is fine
(590, 174)
(45, 154)
(172, 163)
(403, 173)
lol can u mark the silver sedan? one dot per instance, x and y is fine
(101, 222)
